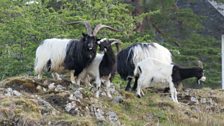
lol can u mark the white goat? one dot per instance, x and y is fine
(53, 51)
(152, 70)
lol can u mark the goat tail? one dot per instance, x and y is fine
(137, 71)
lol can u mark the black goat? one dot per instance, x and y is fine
(103, 67)
(69, 54)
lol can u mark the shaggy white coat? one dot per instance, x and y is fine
(51, 49)
(154, 71)
(153, 50)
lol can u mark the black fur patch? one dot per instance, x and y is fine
(152, 79)
(125, 65)
(107, 64)
(48, 65)
(128, 87)
(79, 55)
(180, 73)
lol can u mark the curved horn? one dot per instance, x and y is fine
(87, 25)
(114, 41)
(200, 64)
(117, 42)
(100, 26)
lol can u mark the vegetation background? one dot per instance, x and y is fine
(190, 29)
(23, 26)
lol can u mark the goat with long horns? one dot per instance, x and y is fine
(56, 55)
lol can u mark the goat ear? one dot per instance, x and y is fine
(98, 41)
(101, 41)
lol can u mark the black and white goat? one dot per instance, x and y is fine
(103, 67)
(56, 55)
(153, 71)
(128, 58)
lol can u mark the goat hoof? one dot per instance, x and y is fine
(133, 90)
(97, 94)
(166, 90)
(127, 89)
(139, 96)
(176, 102)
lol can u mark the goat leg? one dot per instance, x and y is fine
(128, 84)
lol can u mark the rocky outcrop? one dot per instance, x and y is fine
(59, 103)
(213, 20)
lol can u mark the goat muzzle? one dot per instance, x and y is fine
(203, 78)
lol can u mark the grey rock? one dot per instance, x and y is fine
(103, 94)
(44, 89)
(16, 93)
(78, 94)
(74, 111)
(187, 92)
(112, 89)
(203, 100)
(11, 92)
(118, 99)
(99, 114)
(59, 88)
(194, 100)
(39, 88)
(72, 97)
(113, 118)
(70, 106)
(51, 86)
(8, 92)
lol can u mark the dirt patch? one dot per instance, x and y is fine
(57, 100)
(20, 84)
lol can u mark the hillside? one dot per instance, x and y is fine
(205, 46)
(190, 29)
(27, 101)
